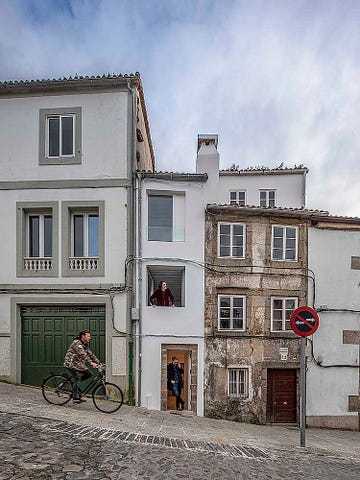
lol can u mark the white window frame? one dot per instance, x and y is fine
(284, 259)
(60, 117)
(283, 319)
(231, 329)
(243, 225)
(267, 200)
(86, 216)
(238, 383)
(237, 201)
(41, 232)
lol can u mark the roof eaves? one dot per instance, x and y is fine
(282, 171)
(174, 176)
(255, 209)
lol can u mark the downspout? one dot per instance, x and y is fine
(131, 235)
(140, 293)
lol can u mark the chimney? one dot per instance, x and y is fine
(207, 161)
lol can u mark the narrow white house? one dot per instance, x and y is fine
(68, 151)
(333, 378)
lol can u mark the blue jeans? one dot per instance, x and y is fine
(177, 392)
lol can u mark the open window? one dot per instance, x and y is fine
(174, 278)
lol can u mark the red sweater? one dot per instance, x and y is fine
(162, 298)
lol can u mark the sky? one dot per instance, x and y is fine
(278, 81)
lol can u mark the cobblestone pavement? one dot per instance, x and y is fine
(41, 449)
(73, 442)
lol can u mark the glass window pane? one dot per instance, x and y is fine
(233, 196)
(238, 252)
(278, 243)
(224, 240)
(225, 229)
(277, 314)
(67, 140)
(290, 304)
(225, 302)
(78, 236)
(224, 251)
(290, 232)
(53, 125)
(160, 218)
(272, 195)
(238, 302)
(238, 241)
(241, 197)
(290, 255)
(237, 323)
(238, 230)
(277, 254)
(225, 323)
(277, 325)
(263, 199)
(34, 236)
(277, 304)
(224, 312)
(47, 236)
(93, 229)
(278, 232)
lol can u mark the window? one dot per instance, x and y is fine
(231, 312)
(284, 243)
(37, 241)
(281, 310)
(166, 217)
(267, 198)
(83, 238)
(231, 240)
(238, 382)
(238, 198)
(60, 136)
(173, 276)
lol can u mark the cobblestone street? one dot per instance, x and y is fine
(37, 449)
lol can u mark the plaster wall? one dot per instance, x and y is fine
(104, 137)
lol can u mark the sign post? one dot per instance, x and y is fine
(304, 321)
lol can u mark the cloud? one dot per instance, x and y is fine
(277, 80)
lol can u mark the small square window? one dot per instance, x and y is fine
(174, 277)
(238, 197)
(231, 312)
(60, 136)
(281, 310)
(284, 243)
(267, 198)
(238, 382)
(231, 240)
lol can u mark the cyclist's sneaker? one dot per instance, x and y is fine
(76, 400)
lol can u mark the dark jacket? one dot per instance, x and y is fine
(78, 355)
(162, 297)
(171, 375)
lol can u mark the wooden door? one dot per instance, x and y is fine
(281, 396)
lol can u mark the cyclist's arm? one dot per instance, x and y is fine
(92, 359)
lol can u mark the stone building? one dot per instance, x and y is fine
(256, 277)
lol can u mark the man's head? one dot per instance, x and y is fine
(84, 336)
(162, 285)
(175, 360)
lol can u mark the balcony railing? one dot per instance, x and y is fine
(166, 234)
(38, 264)
(83, 263)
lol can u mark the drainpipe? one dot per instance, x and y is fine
(131, 229)
(139, 291)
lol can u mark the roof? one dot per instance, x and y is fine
(263, 171)
(80, 83)
(219, 208)
(175, 176)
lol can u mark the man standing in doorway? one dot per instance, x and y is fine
(175, 381)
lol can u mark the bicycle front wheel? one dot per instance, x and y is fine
(107, 397)
(57, 389)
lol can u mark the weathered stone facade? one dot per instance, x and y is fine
(258, 278)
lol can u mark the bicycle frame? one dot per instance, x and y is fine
(97, 380)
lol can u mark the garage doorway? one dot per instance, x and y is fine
(47, 332)
(281, 396)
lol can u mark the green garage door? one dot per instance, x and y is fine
(47, 332)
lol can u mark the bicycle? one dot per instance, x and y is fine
(57, 389)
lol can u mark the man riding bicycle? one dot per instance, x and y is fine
(76, 359)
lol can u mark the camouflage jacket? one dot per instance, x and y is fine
(79, 355)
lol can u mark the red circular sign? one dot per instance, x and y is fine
(304, 321)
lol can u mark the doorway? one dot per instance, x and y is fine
(187, 356)
(281, 396)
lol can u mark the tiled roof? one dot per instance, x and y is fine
(179, 176)
(257, 209)
(74, 79)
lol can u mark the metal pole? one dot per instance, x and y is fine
(302, 393)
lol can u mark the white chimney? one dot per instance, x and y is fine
(208, 161)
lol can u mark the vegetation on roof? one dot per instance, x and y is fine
(263, 168)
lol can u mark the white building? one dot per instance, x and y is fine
(68, 151)
(333, 378)
(171, 247)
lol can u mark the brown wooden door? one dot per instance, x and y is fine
(281, 396)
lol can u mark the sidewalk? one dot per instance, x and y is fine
(29, 402)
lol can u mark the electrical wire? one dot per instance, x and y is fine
(320, 364)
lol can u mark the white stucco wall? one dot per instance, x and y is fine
(337, 287)
(104, 136)
(289, 188)
(179, 325)
(115, 231)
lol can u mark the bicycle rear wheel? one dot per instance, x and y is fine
(107, 397)
(57, 389)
